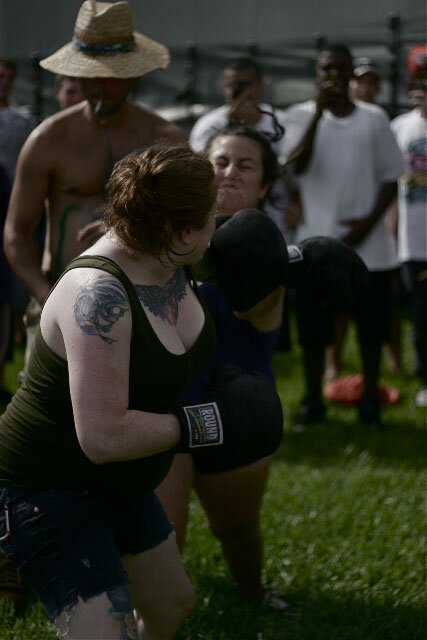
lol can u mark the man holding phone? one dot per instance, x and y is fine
(242, 86)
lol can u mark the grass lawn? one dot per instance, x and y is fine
(344, 522)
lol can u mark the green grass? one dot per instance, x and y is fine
(344, 523)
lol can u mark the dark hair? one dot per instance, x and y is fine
(9, 63)
(270, 164)
(154, 193)
(338, 48)
(242, 63)
(59, 79)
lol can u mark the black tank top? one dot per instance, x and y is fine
(39, 448)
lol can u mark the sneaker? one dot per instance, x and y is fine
(421, 397)
(276, 600)
(369, 411)
(311, 411)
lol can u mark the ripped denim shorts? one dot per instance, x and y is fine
(68, 543)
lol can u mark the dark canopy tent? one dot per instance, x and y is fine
(283, 35)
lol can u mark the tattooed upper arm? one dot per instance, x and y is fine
(99, 304)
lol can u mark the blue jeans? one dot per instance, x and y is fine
(68, 543)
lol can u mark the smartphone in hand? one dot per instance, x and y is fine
(239, 86)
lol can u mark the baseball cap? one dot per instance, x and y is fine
(365, 65)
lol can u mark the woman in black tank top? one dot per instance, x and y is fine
(90, 433)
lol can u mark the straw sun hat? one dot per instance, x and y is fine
(105, 46)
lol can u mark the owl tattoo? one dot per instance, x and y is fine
(99, 304)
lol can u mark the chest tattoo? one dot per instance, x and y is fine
(163, 301)
(99, 304)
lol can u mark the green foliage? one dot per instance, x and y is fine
(344, 522)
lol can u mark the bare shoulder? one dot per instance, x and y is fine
(156, 127)
(56, 128)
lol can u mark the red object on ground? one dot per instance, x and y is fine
(349, 390)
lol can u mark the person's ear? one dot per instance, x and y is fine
(186, 236)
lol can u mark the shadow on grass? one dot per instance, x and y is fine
(338, 442)
(221, 615)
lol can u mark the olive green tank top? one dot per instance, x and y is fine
(39, 448)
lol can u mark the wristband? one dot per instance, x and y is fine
(204, 425)
(297, 270)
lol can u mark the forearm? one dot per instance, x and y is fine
(392, 216)
(24, 261)
(359, 228)
(293, 215)
(386, 195)
(137, 434)
(267, 315)
(300, 156)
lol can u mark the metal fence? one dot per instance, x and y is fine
(191, 84)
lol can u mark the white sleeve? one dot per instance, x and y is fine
(206, 127)
(389, 160)
(199, 136)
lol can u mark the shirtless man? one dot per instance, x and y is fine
(68, 158)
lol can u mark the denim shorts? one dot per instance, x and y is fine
(68, 543)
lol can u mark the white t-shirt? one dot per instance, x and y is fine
(217, 119)
(352, 157)
(410, 130)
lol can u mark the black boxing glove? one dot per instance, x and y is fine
(247, 258)
(330, 269)
(241, 416)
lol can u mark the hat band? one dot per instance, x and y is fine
(104, 49)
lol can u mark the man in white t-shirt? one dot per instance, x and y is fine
(346, 163)
(410, 130)
(242, 85)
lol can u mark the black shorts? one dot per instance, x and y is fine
(212, 460)
(68, 543)
(372, 316)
